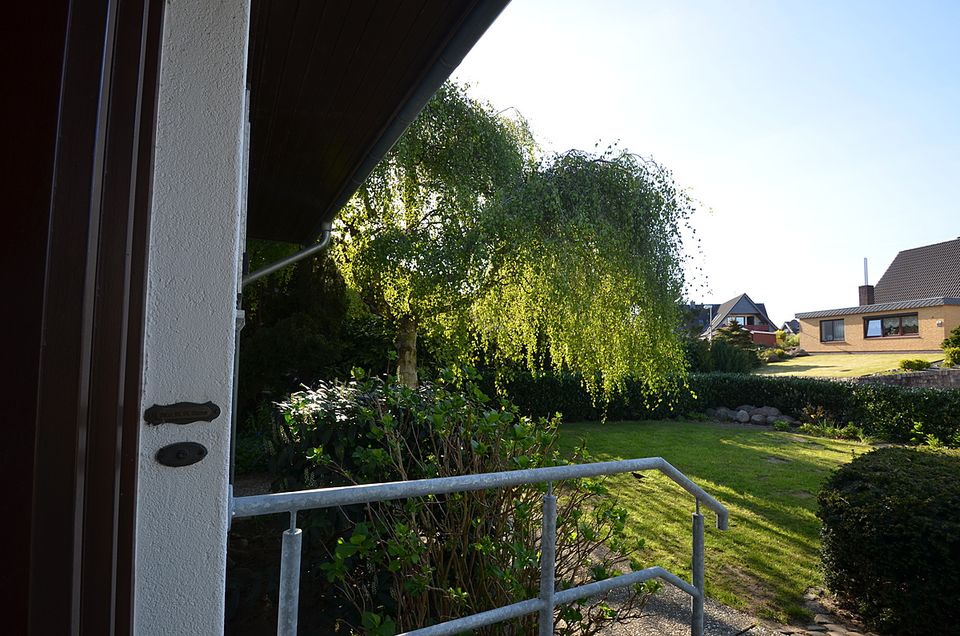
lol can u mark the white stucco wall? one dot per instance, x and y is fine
(195, 241)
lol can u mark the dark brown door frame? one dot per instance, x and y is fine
(90, 351)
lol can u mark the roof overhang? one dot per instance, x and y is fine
(881, 307)
(333, 86)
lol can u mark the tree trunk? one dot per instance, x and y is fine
(407, 352)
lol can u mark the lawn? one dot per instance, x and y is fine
(843, 365)
(768, 480)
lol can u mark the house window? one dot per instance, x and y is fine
(888, 326)
(831, 330)
(740, 320)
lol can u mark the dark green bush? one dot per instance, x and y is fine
(403, 564)
(731, 358)
(951, 357)
(914, 365)
(884, 412)
(952, 340)
(891, 539)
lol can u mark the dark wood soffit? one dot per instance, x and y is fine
(327, 80)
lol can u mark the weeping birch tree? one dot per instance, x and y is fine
(464, 234)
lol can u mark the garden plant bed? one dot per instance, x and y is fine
(770, 556)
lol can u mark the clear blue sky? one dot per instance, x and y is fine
(814, 134)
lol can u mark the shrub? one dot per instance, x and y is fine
(952, 340)
(914, 365)
(793, 340)
(951, 357)
(781, 425)
(891, 539)
(697, 355)
(731, 358)
(769, 355)
(405, 563)
(884, 412)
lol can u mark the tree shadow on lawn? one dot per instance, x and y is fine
(773, 369)
(773, 538)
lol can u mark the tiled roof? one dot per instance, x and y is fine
(897, 306)
(930, 271)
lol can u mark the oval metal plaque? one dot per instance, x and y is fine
(181, 454)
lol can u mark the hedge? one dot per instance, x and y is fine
(891, 539)
(889, 413)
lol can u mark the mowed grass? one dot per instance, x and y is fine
(768, 481)
(843, 365)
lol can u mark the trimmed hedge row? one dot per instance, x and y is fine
(891, 539)
(890, 413)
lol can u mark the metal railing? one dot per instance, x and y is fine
(549, 598)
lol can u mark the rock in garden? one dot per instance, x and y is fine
(743, 416)
(773, 418)
(758, 419)
(745, 407)
(767, 410)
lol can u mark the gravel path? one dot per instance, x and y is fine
(668, 613)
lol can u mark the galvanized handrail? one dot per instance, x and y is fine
(549, 598)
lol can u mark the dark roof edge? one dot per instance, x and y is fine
(895, 306)
(470, 31)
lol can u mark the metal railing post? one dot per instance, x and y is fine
(289, 605)
(548, 561)
(696, 623)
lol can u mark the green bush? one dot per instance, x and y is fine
(914, 365)
(781, 425)
(402, 564)
(728, 357)
(884, 412)
(951, 357)
(952, 340)
(891, 539)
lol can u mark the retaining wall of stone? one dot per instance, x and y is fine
(931, 379)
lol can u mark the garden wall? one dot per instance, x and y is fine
(932, 379)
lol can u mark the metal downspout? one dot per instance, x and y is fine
(244, 281)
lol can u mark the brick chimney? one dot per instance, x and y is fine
(866, 290)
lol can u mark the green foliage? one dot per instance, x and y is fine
(781, 425)
(914, 365)
(884, 412)
(952, 340)
(294, 327)
(735, 334)
(792, 340)
(573, 262)
(731, 358)
(408, 563)
(696, 352)
(891, 538)
(951, 357)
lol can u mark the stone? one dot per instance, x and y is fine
(758, 419)
(800, 353)
(743, 416)
(816, 628)
(745, 407)
(767, 410)
(822, 619)
(773, 418)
